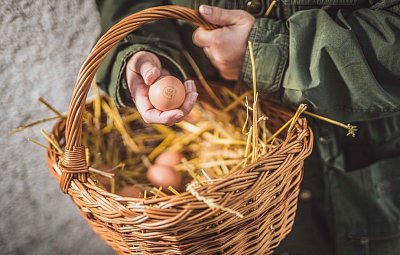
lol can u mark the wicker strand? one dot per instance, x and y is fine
(73, 164)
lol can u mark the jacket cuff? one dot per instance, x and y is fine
(270, 41)
(118, 88)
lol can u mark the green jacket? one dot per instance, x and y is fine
(342, 58)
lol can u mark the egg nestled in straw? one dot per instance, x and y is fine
(167, 93)
(131, 191)
(169, 158)
(105, 181)
(164, 176)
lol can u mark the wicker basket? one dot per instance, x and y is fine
(264, 192)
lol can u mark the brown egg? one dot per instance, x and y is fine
(169, 158)
(106, 182)
(131, 191)
(164, 176)
(167, 93)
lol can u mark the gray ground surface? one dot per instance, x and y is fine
(42, 44)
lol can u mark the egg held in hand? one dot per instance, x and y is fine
(164, 176)
(167, 93)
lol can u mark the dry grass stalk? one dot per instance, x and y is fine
(210, 202)
(34, 123)
(102, 173)
(42, 145)
(203, 81)
(270, 7)
(176, 193)
(54, 143)
(351, 129)
(50, 107)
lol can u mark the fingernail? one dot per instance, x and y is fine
(179, 115)
(206, 10)
(193, 98)
(147, 76)
(191, 85)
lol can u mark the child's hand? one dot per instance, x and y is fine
(225, 46)
(143, 69)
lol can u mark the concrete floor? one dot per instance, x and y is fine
(42, 44)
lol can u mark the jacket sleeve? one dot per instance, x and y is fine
(345, 66)
(165, 43)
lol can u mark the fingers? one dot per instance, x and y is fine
(207, 51)
(150, 71)
(223, 17)
(190, 97)
(154, 116)
(203, 38)
(147, 65)
(140, 94)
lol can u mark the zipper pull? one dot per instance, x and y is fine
(364, 241)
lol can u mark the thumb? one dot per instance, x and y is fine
(150, 72)
(221, 17)
(147, 65)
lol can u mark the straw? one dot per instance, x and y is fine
(351, 129)
(203, 81)
(34, 123)
(50, 107)
(210, 202)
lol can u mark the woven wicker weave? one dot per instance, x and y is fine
(264, 192)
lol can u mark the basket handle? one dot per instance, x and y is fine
(74, 164)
